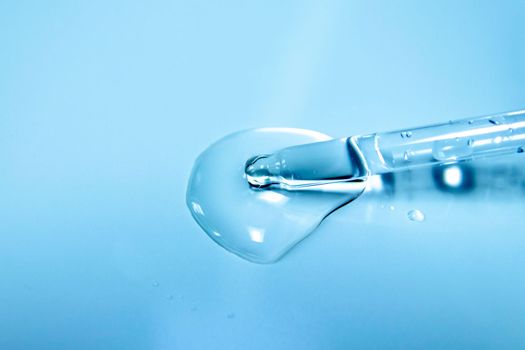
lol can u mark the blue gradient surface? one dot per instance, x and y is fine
(104, 106)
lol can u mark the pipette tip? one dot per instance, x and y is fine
(304, 166)
(260, 171)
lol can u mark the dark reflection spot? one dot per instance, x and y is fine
(389, 182)
(454, 178)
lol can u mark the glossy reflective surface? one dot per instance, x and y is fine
(106, 105)
(259, 225)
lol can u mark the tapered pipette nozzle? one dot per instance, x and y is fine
(302, 166)
(262, 171)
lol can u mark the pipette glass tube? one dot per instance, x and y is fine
(357, 157)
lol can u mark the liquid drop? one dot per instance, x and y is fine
(258, 225)
(448, 149)
(416, 215)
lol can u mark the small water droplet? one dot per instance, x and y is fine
(495, 122)
(451, 149)
(498, 139)
(405, 134)
(416, 215)
(470, 142)
(230, 315)
(511, 130)
(471, 122)
(392, 208)
(520, 149)
(405, 156)
(457, 139)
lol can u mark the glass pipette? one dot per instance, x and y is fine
(357, 157)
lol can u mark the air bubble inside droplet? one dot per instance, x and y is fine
(416, 215)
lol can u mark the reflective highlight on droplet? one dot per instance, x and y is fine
(416, 215)
(259, 225)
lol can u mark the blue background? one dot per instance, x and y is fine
(104, 106)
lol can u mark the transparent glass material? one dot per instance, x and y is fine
(442, 143)
(358, 157)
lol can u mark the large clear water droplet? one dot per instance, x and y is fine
(258, 225)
